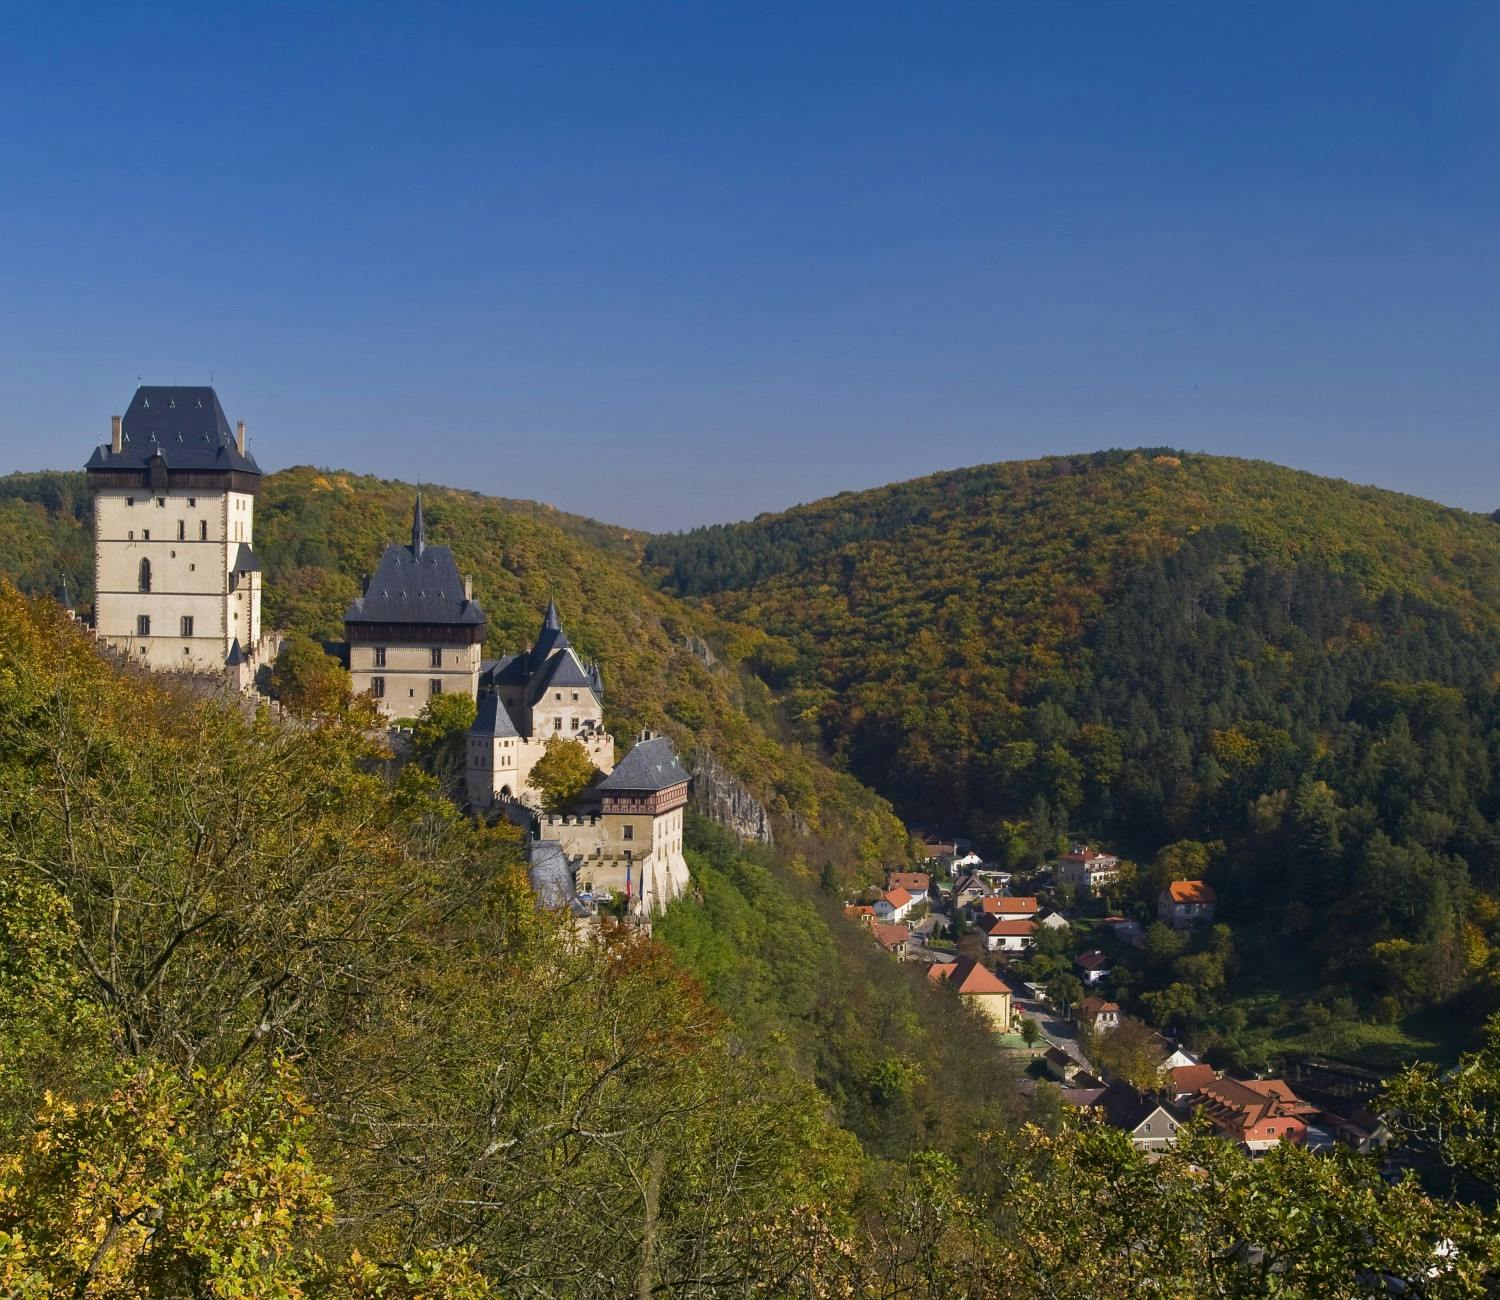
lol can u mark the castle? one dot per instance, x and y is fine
(178, 588)
(176, 578)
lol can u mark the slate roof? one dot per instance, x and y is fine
(1128, 1109)
(508, 670)
(550, 638)
(491, 719)
(245, 560)
(651, 765)
(552, 878)
(185, 424)
(564, 670)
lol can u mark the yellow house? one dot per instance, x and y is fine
(979, 987)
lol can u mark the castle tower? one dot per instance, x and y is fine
(416, 631)
(176, 581)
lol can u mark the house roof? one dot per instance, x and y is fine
(891, 935)
(650, 766)
(1004, 904)
(1242, 1103)
(1190, 1078)
(1084, 1096)
(897, 897)
(1057, 1056)
(968, 976)
(1004, 926)
(1092, 960)
(551, 877)
(491, 719)
(551, 637)
(1190, 891)
(859, 909)
(1128, 1109)
(914, 882)
(185, 425)
(1096, 1006)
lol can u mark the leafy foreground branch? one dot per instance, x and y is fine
(275, 1024)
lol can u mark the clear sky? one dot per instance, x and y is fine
(675, 263)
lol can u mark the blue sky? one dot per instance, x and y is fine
(675, 263)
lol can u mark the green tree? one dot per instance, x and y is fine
(439, 737)
(307, 680)
(1030, 1031)
(562, 773)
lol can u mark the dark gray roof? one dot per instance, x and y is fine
(564, 670)
(651, 765)
(412, 588)
(550, 638)
(508, 670)
(236, 656)
(552, 879)
(491, 719)
(1126, 1108)
(245, 560)
(185, 425)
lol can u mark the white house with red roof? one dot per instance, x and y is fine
(1093, 965)
(1086, 869)
(893, 905)
(1006, 934)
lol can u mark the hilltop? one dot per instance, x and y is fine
(1168, 651)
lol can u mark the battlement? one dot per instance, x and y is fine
(556, 819)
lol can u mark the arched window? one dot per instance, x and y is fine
(145, 575)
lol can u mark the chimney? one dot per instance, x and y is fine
(240, 428)
(469, 587)
(116, 438)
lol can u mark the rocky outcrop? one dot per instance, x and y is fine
(698, 648)
(722, 797)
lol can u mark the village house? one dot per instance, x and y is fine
(1083, 869)
(916, 883)
(1002, 934)
(969, 887)
(861, 912)
(981, 988)
(1186, 903)
(1258, 1113)
(1092, 966)
(893, 938)
(894, 905)
(1059, 1065)
(1151, 1123)
(1098, 1014)
(1052, 920)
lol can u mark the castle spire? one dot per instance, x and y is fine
(418, 529)
(553, 619)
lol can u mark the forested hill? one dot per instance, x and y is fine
(1157, 649)
(319, 531)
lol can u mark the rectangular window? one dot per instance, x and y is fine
(435, 686)
(187, 625)
(575, 695)
(380, 656)
(575, 724)
(145, 534)
(437, 658)
(377, 687)
(182, 530)
(630, 832)
(161, 502)
(143, 625)
(129, 501)
(556, 724)
(203, 530)
(192, 503)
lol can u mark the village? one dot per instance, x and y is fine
(1041, 966)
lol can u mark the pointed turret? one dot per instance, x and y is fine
(418, 529)
(550, 638)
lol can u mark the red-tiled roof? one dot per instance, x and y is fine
(1240, 1104)
(1095, 1006)
(914, 882)
(1003, 926)
(1190, 1078)
(1011, 906)
(891, 936)
(897, 897)
(1091, 960)
(1191, 891)
(968, 976)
